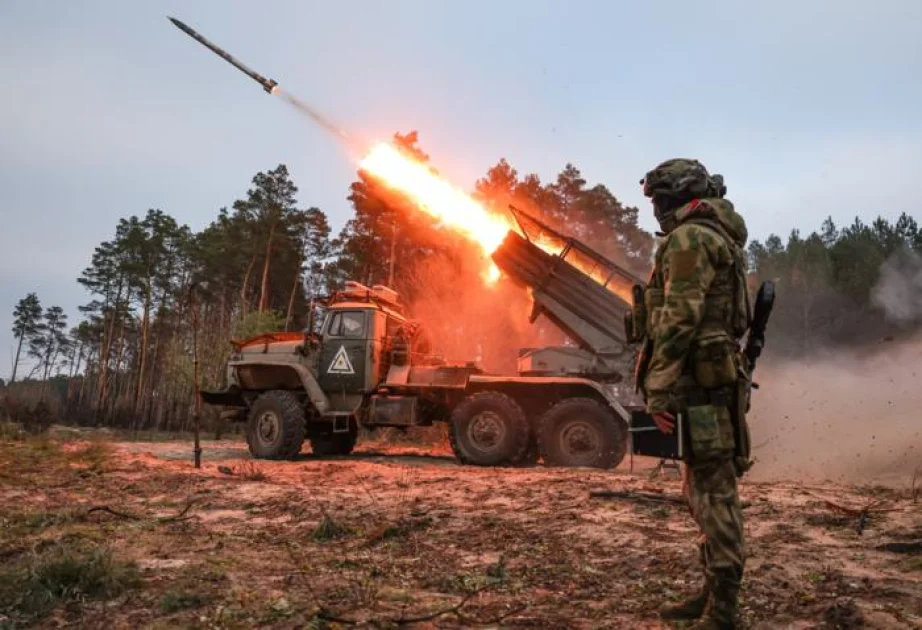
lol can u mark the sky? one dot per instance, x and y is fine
(809, 109)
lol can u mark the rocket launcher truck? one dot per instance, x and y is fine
(370, 366)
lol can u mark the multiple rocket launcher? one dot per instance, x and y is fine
(558, 287)
(586, 309)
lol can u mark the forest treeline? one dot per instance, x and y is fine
(266, 262)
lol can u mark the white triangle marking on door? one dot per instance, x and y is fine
(341, 363)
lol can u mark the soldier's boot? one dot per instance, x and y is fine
(722, 610)
(688, 609)
(693, 607)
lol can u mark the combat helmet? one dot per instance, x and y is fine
(680, 179)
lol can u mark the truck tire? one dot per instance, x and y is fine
(489, 429)
(582, 432)
(276, 426)
(328, 443)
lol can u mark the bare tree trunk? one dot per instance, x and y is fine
(16, 360)
(148, 400)
(76, 357)
(74, 370)
(103, 383)
(197, 403)
(390, 273)
(291, 299)
(246, 285)
(142, 360)
(86, 378)
(264, 289)
(51, 354)
(111, 400)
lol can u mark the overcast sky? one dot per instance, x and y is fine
(808, 108)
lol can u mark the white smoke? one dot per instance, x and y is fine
(898, 291)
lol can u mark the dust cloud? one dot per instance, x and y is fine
(849, 416)
(898, 292)
(468, 319)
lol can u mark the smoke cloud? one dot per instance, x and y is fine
(898, 291)
(469, 320)
(848, 417)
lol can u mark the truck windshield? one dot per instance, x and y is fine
(347, 324)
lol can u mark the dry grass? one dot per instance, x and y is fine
(250, 471)
(376, 542)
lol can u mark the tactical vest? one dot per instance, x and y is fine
(725, 320)
(715, 383)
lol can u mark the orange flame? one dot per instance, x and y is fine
(454, 208)
(451, 206)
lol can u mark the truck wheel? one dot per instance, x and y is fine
(329, 443)
(582, 432)
(276, 427)
(489, 429)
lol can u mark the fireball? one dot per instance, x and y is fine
(451, 206)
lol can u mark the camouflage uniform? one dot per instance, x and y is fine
(696, 309)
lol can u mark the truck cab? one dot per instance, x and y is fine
(355, 337)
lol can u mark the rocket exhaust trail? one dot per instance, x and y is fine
(312, 113)
(269, 85)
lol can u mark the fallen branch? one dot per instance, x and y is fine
(181, 516)
(862, 514)
(108, 510)
(178, 517)
(912, 546)
(455, 610)
(637, 496)
(499, 618)
(646, 496)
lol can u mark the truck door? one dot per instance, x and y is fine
(342, 359)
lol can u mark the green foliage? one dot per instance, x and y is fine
(26, 325)
(825, 281)
(592, 214)
(26, 316)
(49, 342)
(258, 323)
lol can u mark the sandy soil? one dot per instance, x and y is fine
(392, 534)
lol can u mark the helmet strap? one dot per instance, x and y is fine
(664, 209)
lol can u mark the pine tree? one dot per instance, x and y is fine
(49, 342)
(26, 322)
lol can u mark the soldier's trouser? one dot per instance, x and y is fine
(715, 506)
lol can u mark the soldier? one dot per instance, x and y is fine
(695, 311)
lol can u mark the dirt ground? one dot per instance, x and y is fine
(395, 536)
